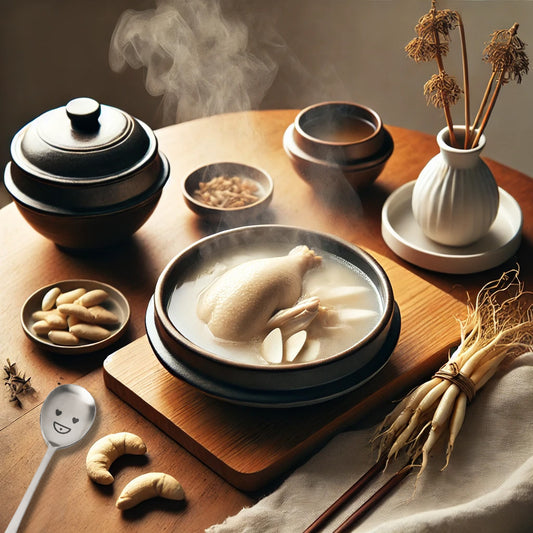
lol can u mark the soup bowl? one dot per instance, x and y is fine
(339, 132)
(265, 384)
(322, 174)
(333, 140)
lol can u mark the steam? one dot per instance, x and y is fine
(201, 62)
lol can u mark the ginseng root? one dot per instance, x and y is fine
(497, 328)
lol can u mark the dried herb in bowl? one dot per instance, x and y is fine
(227, 192)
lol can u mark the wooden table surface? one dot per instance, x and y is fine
(66, 499)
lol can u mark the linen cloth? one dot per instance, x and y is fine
(487, 486)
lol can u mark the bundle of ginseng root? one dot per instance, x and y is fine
(498, 327)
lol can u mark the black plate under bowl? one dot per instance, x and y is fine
(262, 398)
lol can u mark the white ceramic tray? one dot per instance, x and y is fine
(405, 238)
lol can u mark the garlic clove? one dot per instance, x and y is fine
(345, 317)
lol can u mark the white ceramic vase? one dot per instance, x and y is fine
(455, 198)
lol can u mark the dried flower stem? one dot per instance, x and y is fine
(505, 52)
(442, 72)
(502, 73)
(466, 84)
(483, 101)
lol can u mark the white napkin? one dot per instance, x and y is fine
(488, 485)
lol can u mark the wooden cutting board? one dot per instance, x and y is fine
(251, 447)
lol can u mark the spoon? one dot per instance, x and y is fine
(67, 414)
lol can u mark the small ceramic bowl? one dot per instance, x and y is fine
(339, 132)
(322, 174)
(116, 303)
(288, 377)
(261, 183)
(338, 139)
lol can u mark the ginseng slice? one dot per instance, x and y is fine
(294, 344)
(272, 347)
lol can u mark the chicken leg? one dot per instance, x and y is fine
(238, 305)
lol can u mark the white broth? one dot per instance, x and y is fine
(339, 285)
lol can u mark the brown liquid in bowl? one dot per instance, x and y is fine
(341, 130)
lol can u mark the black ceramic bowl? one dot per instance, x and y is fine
(268, 378)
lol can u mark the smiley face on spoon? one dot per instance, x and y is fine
(66, 416)
(62, 428)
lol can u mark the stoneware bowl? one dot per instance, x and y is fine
(334, 139)
(271, 385)
(86, 175)
(340, 132)
(261, 180)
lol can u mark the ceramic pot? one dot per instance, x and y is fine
(86, 175)
(455, 198)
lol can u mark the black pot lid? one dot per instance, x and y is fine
(83, 141)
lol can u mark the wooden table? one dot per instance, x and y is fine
(66, 499)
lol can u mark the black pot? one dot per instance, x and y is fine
(87, 161)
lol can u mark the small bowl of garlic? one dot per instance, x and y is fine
(75, 316)
(228, 192)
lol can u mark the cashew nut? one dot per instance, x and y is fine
(105, 450)
(149, 486)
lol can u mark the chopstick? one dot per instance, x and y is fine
(328, 514)
(336, 506)
(374, 499)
